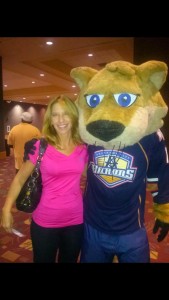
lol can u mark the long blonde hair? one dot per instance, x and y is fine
(48, 129)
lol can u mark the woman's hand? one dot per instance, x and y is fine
(7, 220)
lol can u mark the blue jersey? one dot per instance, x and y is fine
(114, 198)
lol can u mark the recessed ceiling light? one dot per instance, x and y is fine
(42, 74)
(5, 85)
(49, 43)
(73, 86)
(90, 54)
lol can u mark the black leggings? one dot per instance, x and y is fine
(47, 241)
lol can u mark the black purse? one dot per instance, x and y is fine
(30, 194)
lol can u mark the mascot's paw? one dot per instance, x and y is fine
(164, 228)
(29, 148)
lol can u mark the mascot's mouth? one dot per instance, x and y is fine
(105, 130)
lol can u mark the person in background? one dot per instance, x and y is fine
(57, 222)
(19, 135)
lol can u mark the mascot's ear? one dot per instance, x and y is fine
(154, 71)
(82, 75)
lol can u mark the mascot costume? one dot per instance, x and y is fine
(121, 112)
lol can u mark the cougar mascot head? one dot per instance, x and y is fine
(121, 103)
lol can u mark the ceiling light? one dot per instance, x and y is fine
(49, 43)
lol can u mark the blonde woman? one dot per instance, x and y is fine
(57, 222)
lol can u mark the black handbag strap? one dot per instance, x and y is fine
(42, 149)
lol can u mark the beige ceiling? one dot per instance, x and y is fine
(23, 59)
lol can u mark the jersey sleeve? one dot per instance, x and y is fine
(158, 171)
(158, 177)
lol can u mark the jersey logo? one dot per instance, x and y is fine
(113, 167)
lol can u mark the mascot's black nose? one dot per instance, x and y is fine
(105, 130)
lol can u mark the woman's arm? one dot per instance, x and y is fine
(15, 187)
(83, 178)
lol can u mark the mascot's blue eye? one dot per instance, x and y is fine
(94, 100)
(125, 99)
